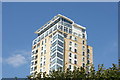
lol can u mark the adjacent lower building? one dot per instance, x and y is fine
(60, 44)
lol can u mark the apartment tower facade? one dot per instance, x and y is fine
(60, 44)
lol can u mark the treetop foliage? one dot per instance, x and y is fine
(112, 73)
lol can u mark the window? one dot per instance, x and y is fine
(33, 58)
(70, 31)
(36, 57)
(75, 62)
(60, 43)
(45, 40)
(41, 59)
(70, 48)
(65, 29)
(34, 42)
(41, 65)
(44, 51)
(83, 30)
(60, 37)
(70, 61)
(44, 58)
(59, 49)
(75, 39)
(59, 61)
(79, 35)
(42, 42)
(43, 69)
(88, 67)
(46, 33)
(32, 52)
(75, 45)
(44, 63)
(88, 56)
(54, 22)
(31, 73)
(70, 37)
(42, 48)
(42, 36)
(83, 42)
(32, 63)
(32, 69)
(83, 54)
(88, 62)
(35, 67)
(75, 33)
(54, 55)
(75, 50)
(45, 46)
(38, 44)
(88, 51)
(60, 32)
(34, 47)
(53, 68)
(75, 56)
(59, 67)
(36, 51)
(54, 49)
(66, 21)
(67, 24)
(55, 28)
(40, 70)
(59, 55)
(70, 54)
(35, 62)
(60, 27)
(83, 65)
(70, 43)
(53, 61)
(83, 47)
(69, 66)
(83, 35)
(83, 59)
(54, 43)
(65, 35)
(50, 31)
(50, 36)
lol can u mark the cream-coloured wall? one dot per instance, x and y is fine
(91, 54)
(66, 52)
(79, 51)
(47, 66)
(47, 55)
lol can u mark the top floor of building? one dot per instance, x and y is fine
(62, 23)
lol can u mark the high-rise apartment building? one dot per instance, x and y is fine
(60, 43)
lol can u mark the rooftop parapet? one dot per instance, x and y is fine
(55, 18)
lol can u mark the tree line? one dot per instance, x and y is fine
(112, 73)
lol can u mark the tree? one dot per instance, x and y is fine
(16, 78)
(112, 73)
(30, 77)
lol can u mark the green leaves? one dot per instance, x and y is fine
(113, 73)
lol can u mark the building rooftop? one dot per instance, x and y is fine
(54, 18)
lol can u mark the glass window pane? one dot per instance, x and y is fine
(60, 49)
(60, 43)
(59, 55)
(59, 61)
